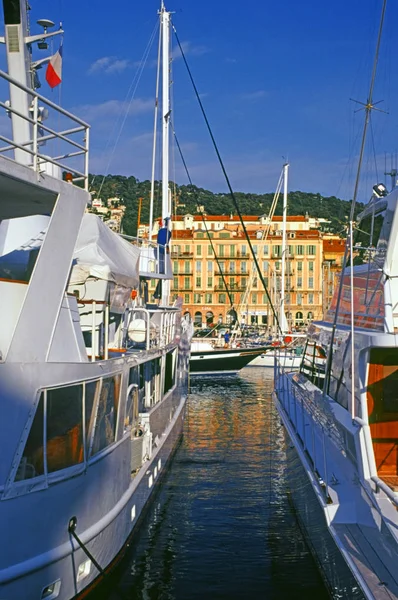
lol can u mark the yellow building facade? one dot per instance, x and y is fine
(203, 270)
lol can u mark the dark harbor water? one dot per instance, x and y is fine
(221, 525)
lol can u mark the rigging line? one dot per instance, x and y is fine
(132, 90)
(228, 182)
(203, 219)
(349, 242)
(374, 148)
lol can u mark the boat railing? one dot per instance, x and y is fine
(141, 328)
(155, 259)
(67, 153)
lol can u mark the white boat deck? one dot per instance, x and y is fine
(374, 557)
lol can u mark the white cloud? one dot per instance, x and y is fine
(109, 65)
(252, 96)
(112, 108)
(189, 48)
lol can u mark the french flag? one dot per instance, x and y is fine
(54, 69)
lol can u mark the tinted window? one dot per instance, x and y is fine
(105, 427)
(64, 427)
(32, 463)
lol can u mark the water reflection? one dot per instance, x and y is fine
(221, 526)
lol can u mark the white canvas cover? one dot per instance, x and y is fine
(101, 253)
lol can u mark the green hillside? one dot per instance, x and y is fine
(130, 189)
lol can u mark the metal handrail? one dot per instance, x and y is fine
(32, 146)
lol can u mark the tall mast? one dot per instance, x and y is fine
(165, 16)
(282, 317)
(166, 208)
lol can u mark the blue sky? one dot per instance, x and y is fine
(275, 78)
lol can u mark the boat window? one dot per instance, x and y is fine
(169, 371)
(89, 406)
(132, 397)
(383, 411)
(64, 427)
(105, 427)
(32, 462)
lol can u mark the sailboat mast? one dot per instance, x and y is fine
(166, 211)
(282, 317)
(166, 208)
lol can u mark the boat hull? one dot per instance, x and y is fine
(335, 572)
(107, 539)
(223, 361)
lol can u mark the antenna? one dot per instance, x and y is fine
(45, 23)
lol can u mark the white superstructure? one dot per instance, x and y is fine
(93, 377)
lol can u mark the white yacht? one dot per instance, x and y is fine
(93, 376)
(342, 426)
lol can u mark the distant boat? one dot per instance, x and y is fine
(208, 359)
(93, 378)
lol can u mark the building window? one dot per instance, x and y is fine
(277, 250)
(266, 281)
(210, 282)
(232, 267)
(255, 282)
(266, 250)
(187, 283)
(299, 266)
(221, 265)
(265, 299)
(209, 298)
(232, 250)
(311, 283)
(299, 318)
(198, 282)
(197, 298)
(311, 298)
(311, 250)
(300, 250)
(243, 250)
(254, 298)
(221, 250)
(187, 249)
(187, 298)
(232, 283)
(243, 282)
(243, 267)
(198, 266)
(176, 250)
(209, 266)
(291, 251)
(255, 249)
(221, 298)
(287, 298)
(187, 266)
(210, 251)
(310, 316)
(311, 265)
(265, 266)
(299, 282)
(175, 283)
(198, 250)
(299, 298)
(175, 266)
